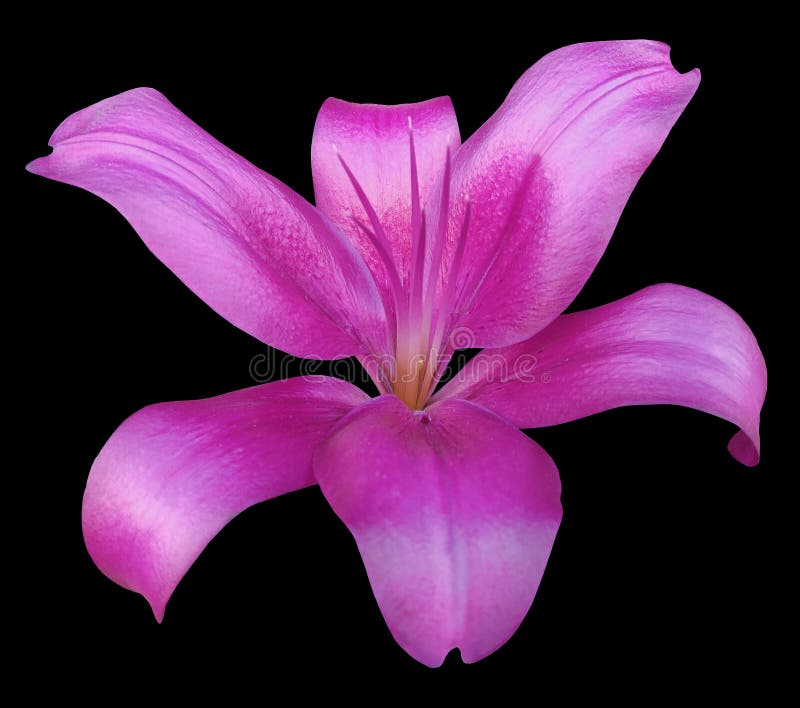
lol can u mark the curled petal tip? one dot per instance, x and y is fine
(690, 79)
(667, 50)
(744, 449)
(158, 607)
(36, 166)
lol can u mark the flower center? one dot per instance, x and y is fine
(419, 305)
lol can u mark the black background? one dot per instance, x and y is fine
(667, 574)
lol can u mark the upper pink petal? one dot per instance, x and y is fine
(548, 176)
(173, 474)
(374, 142)
(244, 242)
(454, 513)
(663, 344)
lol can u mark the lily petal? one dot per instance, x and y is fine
(374, 142)
(454, 512)
(548, 175)
(244, 242)
(173, 474)
(664, 344)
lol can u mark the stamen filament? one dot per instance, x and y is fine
(438, 248)
(421, 324)
(380, 241)
(436, 361)
(417, 265)
(400, 306)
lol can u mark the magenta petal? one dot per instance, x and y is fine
(663, 344)
(454, 512)
(548, 176)
(374, 142)
(173, 474)
(244, 242)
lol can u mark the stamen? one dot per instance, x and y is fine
(373, 217)
(439, 244)
(429, 301)
(436, 359)
(379, 239)
(391, 271)
(383, 251)
(415, 211)
(417, 265)
(418, 270)
(421, 328)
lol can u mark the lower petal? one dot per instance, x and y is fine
(663, 344)
(454, 512)
(173, 474)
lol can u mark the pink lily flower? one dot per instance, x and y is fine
(418, 246)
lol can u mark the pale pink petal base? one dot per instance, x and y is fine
(664, 344)
(173, 474)
(454, 512)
